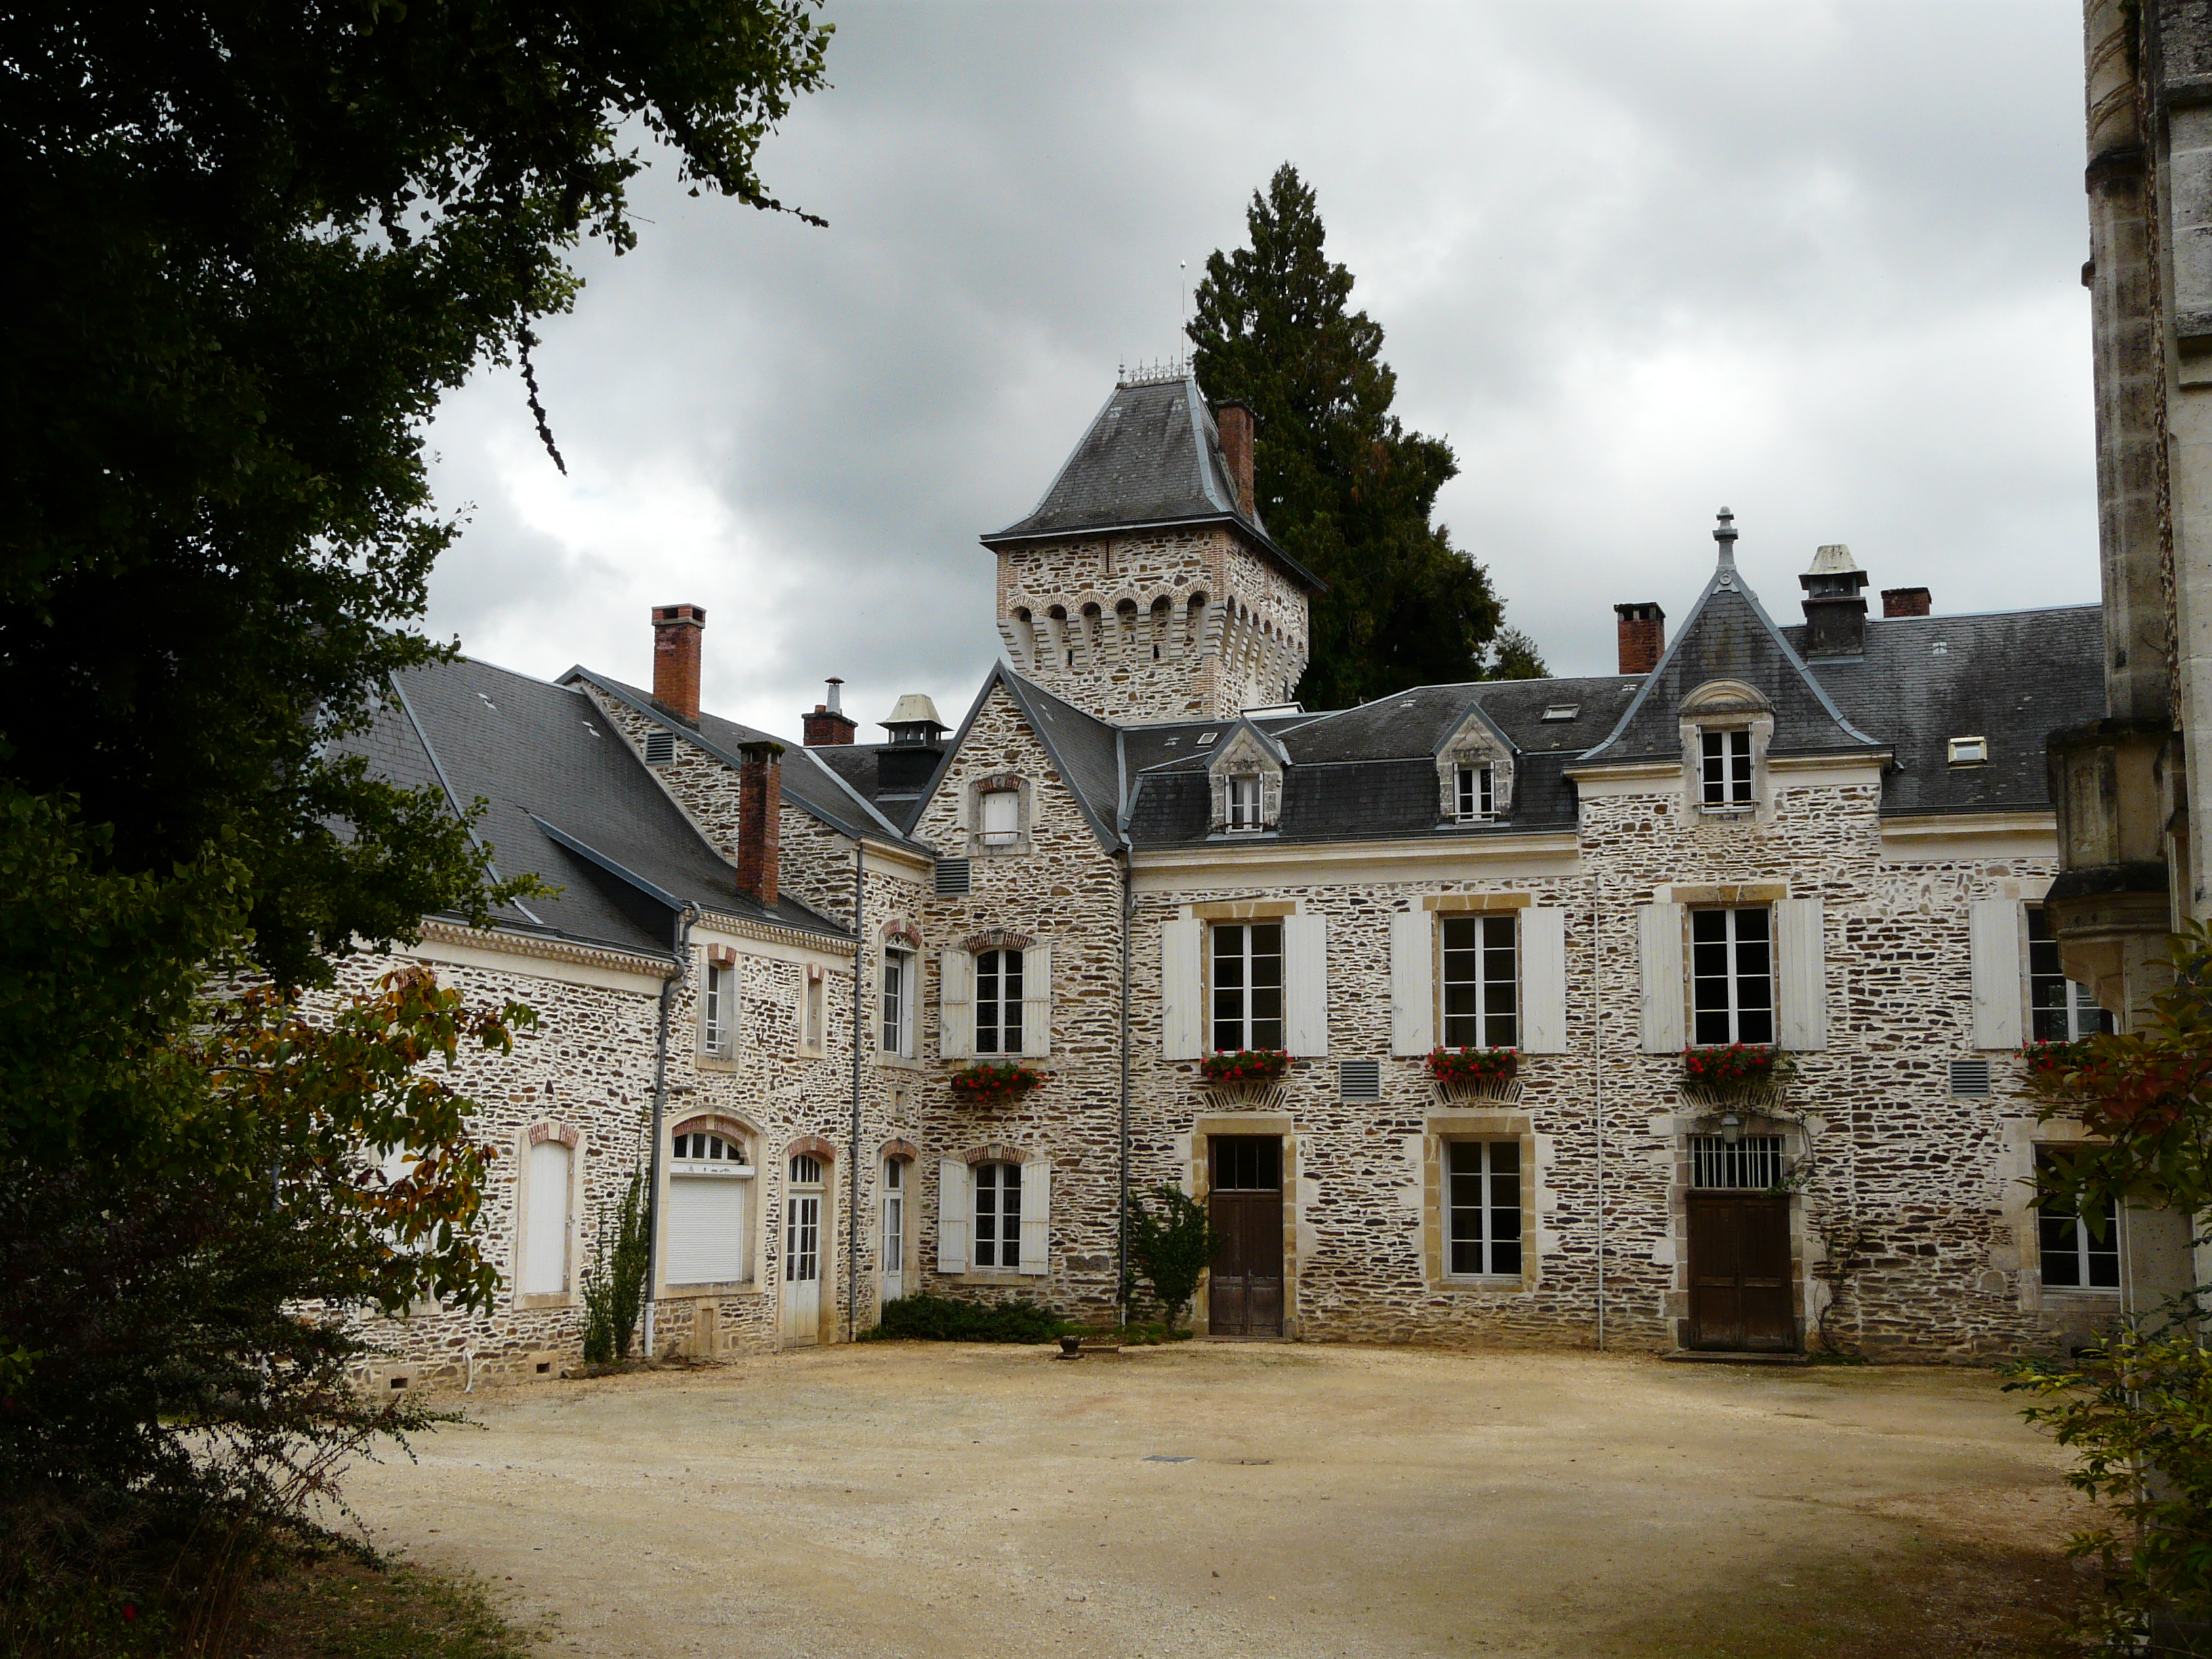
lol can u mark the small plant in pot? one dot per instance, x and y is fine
(986, 1084)
(1736, 1067)
(1469, 1069)
(1245, 1065)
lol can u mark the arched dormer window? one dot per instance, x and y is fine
(1726, 725)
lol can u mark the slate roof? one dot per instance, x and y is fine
(1151, 459)
(566, 799)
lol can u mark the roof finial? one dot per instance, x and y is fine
(1724, 533)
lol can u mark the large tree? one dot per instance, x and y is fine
(1342, 485)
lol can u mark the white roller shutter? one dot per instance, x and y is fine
(1182, 994)
(1036, 1001)
(1659, 952)
(1994, 938)
(1800, 955)
(706, 1229)
(1412, 982)
(545, 1220)
(1305, 985)
(1036, 1217)
(955, 1215)
(956, 1005)
(1544, 980)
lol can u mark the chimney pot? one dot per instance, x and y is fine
(1234, 420)
(760, 818)
(1903, 601)
(1643, 636)
(826, 724)
(676, 634)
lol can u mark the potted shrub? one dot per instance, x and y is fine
(987, 1084)
(1734, 1069)
(1473, 1069)
(1245, 1065)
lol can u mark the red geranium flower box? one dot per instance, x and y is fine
(1736, 1065)
(1245, 1065)
(988, 1084)
(1474, 1065)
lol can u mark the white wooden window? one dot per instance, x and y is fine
(718, 1011)
(897, 1035)
(998, 1235)
(2076, 1256)
(813, 1009)
(1002, 817)
(1244, 804)
(709, 1205)
(893, 1249)
(1731, 976)
(1725, 768)
(1481, 982)
(2059, 1009)
(1248, 985)
(802, 1241)
(1483, 1207)
(999, 1002)
(546, 1219)
(1477, 795)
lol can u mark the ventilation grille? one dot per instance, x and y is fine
(1360, 1079)
(952, 875)
(659, 748)
(1970, 1077)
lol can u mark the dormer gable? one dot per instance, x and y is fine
(1474, 768)
(1245, 778)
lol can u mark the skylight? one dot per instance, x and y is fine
(1970, 751)
(1206, 737)
(1563, 711)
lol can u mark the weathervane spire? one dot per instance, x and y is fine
(1724, 533)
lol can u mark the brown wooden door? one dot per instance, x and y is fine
(1244, 1296)
(1740, 1290)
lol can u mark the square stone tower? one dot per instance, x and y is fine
(1145, 586)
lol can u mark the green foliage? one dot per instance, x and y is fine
(1342, 485)
(930, 1318)
(614, 1284)
(1171, 1247)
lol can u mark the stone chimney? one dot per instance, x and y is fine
(827, 723)
(1835, 604)
(760, 817)
(1903, 601)
(1643, 636)
(1234, 420)
(676, 632)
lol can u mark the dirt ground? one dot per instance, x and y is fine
(926, 1500)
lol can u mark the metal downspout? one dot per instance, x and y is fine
(669, 986)
(853, 1159)
(1597, 1081)
(1121, 1244)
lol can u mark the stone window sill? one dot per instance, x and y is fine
(901, 1062)
(1494, 1284)
(546, 1299)
(985, 1279)
(709, 1292)
(717, 1062)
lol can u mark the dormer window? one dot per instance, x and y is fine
(1477, 795)
(1726, 771)
(1244, 804)
(1002, 817)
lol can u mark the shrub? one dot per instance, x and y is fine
(614, 1284)
(924, 1317)
(1172, 1248)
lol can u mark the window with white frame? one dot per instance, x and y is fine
(709, 1205)
(893, 1247)
(2076, 1254)
(1482, 982)
(899, 987)
(813, 1010)
(1244, 803)
(999, 1002)
(1248, 985)
(718, 1011)
(2059, 1009)
(1731, 976)
(998, 1216)
(1725, 768)
(1484, 1208)
(1477, 794)
(545, 1216)
(1002, 817)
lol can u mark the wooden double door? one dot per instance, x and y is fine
(1741, 1296)
(1244, 1293)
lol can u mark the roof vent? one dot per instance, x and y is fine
(1360, 1079)
(952, 876)
(659, 748)
(1563, 711)
(1970, 751)
(1970, 1077)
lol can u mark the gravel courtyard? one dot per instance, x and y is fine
(924, 1500)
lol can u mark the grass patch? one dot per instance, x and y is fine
(928, 1318)
(335, 1608)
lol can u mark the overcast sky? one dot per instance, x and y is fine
(1817, 262)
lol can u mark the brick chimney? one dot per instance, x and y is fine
(1903, 601)
(760, 816)
(676, 631)
(1643, 636)
(827, 723)
(1234, 420)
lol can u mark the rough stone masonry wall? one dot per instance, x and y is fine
(1066, 891)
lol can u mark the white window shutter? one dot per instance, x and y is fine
(955, 1215)
(956, 1005)
(1183, 996)
(1036, 1217)
(1994, 937)
(1801, 980)
(1036, 1001)
(1659, 951)
(1412, 982)
(1305, 985)
(1544, 980)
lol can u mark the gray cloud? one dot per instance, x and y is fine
(1817, 262)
